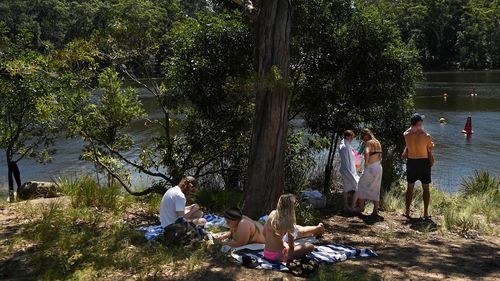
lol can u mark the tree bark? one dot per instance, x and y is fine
(9, 175)
(328, 168)
(265, 182)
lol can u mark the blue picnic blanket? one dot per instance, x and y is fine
(153, 231)
(214, 220)
(331, 253)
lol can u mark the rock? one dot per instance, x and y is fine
(38, 189)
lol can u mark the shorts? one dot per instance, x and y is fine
(418, 170)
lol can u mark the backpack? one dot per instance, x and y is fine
(181, 232)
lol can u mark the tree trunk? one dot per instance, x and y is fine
(328, 168)
(266, 173)
(9, 176)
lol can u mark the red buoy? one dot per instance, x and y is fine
(468, 126)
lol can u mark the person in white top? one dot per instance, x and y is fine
(173, 204)
(350, 177)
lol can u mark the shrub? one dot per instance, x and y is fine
(306, 214)
(217, 200)
(86, 192)
(480, 183)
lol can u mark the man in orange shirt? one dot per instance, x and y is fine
(418, 153)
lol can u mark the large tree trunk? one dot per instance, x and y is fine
(9, 176)
(329, 166)
(266, 173)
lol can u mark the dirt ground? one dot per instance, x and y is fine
(407, 249)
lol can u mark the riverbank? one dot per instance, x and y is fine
(90, 236)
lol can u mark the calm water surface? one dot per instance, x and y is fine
(457, 156)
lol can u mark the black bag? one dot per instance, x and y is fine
(181, 232)
(303, 267)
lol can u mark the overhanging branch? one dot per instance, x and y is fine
(117, 177)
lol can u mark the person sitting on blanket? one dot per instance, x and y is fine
(282, 221)
(173, 204)
(243, 230)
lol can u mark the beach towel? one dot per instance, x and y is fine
(214, 220)
(153, 231)
(329, 254)
(370, 182)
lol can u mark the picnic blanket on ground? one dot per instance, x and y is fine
(214, 220)
(329, 254)
(153, 231)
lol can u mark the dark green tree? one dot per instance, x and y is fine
(358, 73)
(29, 98)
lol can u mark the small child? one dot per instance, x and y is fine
(281, 221)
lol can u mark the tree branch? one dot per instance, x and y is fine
(117, 177)
(135, 165)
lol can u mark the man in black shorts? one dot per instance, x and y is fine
(418, 153)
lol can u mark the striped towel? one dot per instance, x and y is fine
(329, 254)
(214, 220)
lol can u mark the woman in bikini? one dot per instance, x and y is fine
(282, 221)
(242, 229)
(371, 180)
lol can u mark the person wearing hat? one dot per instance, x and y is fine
(242, 229)
(419, 160)
(173, 204)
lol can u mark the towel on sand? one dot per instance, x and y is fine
(331, 253)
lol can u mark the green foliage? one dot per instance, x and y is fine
(300, 160)
(359, 69)
(481, 183)
(476, 211)
(218, 200)
(30, 97)
(128, 31)
(448, 34)
(306, 214)
(73, 243)
(103, 122)
(86, 192)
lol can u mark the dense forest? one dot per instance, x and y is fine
(456, 34)
(449, 34)
(361, 59)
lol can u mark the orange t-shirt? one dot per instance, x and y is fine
(418, 144)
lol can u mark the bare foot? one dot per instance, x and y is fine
(320, 229)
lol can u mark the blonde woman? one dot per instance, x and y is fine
(282, 221)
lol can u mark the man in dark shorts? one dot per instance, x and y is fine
(418, 153)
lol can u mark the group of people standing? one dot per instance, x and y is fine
(419, 160)
(280, 230)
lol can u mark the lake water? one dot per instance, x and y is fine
(457, 156)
